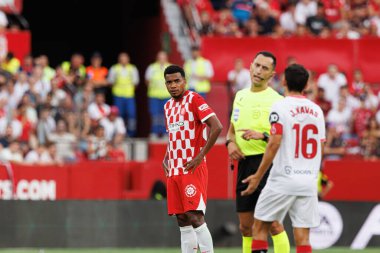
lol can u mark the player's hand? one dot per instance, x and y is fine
(193, 164)
(253, 181)
(165, 167)
(234, 151)
(251, 134)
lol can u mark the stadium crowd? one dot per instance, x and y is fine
(352, 111)
(352, 19)
(51, 116)
(57, 115)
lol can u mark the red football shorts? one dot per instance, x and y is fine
(187, 192)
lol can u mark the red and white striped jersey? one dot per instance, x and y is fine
(185, 119)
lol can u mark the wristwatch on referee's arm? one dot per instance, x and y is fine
(228, 142)
(266, 136)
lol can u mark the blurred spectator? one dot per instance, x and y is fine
(377, 116)
(340, 117)
(345, 31)
(27, 64)
(3, 20)
(252, 28)
(371, 140)
(361, 118)
(75, 65)
(301, 31)
(13, 97)
(241, 10)
(207, 24)
(157, 93)
(41, 86)
(98, 109)
(60, 77)
(52, 150)
(312, 86)
(124, 77)
(45, 126)
(48, 72)
(351, 102)
(317, 23)
(31, 112)
(12, 153)
(371, 100)
(84, 97)
(222, 21)
(11, 63)
(239, 77)
(57, 95)
(374, 7)
(334, 147)
(234, 31)
(287, 19)
(97, 145)
(113, 126)
(7, 135)
(358, 82)
(65, 142)
(305, 9)
(334, 10)
(264, 19)
(13, 123)
(115, 153)
(199, 71)
(27, 133)
(331, 81)
(22, 84)
(39, 156)
(96, 73)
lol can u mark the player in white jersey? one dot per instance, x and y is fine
(295, 148)
(187, 117)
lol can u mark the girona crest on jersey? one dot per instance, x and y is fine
(190, 190)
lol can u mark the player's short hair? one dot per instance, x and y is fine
(172, 69)
(268, 54)
(296, 77)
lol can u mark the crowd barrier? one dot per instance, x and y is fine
(314, 53)
(353, 180)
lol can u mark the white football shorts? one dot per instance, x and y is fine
(273, 206)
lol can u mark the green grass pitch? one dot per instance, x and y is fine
(165, 250)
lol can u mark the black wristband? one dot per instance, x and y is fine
(266, 136)
(228, 142)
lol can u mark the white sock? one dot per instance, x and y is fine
(204, 239)
(189, 242)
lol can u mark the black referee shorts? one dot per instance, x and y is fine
(247, 167)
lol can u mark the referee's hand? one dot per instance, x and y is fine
(251, 134)
(234, 151)
(253, 182)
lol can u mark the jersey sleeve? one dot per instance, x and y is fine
(276, 120)
(201, 109)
